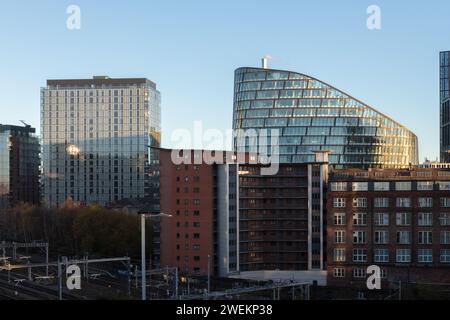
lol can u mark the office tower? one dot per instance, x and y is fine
(445, 106)
(312, 115)
(19, 165)
(397, 219)
(96, 138)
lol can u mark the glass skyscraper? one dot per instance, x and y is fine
(311, 115)
(19, 165)
(445, 105)
(96, 139)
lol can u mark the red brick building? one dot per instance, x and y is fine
(187, 192)
(397, 219)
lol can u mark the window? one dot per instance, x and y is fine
(444, 185)
(425, 202)
(339, 255)
(381, 202)
(425, 237)
(425, 185)
(425, 219)
(360, 186)
(381, 255)
(339, 219)
(381, 186)
(444, 218)
(359, 255)
(360, 202)
(403, 186)
(339, 237)
(359, 237)
(445, 237)
(403, 255)
(339, 186)
(445, 256)
(403, 237)
(381, 237)
(425, 255)
(359, 273)
(339, 202)
(339, 272)
(403, 202)
(381, 219)
(445, 202)
(360, 219)
(403, 219)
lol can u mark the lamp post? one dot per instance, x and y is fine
(145, 215)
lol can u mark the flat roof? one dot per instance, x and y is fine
(99, 81)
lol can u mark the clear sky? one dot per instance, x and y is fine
(191, 49)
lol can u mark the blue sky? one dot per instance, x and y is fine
(191, 48)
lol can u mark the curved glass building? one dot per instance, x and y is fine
(312, 115)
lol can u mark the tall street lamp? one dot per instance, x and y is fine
(144, 215)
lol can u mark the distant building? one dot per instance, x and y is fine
(445, 105)
(19, 165)
(96, 135)
(398, 219)
(312, 115)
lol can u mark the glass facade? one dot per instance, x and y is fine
(96, 138)
(311, 115)
(445, 106)
(19, 165)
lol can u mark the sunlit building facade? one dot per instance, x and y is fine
(445, 105)
(19, 166)
(311, 115)
(96, 135)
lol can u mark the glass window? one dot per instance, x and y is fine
(281, 112)
(339, 255)
(444, 218)
(445, 256)
(445, 237)
(272, 85)
(262, 104)
(381, 237)
(425, 255)
(294, 131)
(425, 237)
(403, 202)
(359, 219)
(323, 122)
(403, 255)
(316, 131)
(339, 272)
(403, 219)
(425, 219)
(425, 202)
(267, 94)
(381, 255)
(360, 186)
(360, 202)
(381, 219)
(277, 75)
(403, 237)
(381, 202)
(425, 185)
(444, 185)
(286, 103)
(359, 237)
(339, 237)
(339, 186)
(445, 202)
(339, 219)
(359, 255)
(403, 186)
(300, 122)
(381, 186)
(339, 202)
